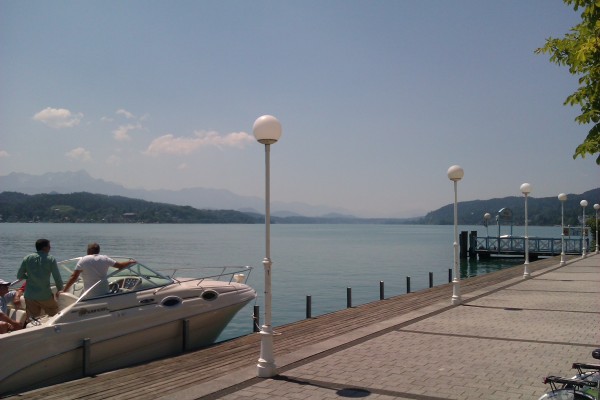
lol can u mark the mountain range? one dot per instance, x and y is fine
(200, 198)
(542, 211)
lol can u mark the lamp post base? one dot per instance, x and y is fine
(266, 365)
(456, 299)
(526, 274)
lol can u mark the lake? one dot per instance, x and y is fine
(319, 260)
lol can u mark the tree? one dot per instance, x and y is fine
(580, 51)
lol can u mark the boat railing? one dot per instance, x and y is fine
(230, 274)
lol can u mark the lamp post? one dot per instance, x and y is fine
(596, 207)
(526, 189)
(562, 197)
(267, 130)
(455, 174)
(498, 223)
(486, 220)
(583, 204)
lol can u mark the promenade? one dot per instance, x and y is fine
(505, 337)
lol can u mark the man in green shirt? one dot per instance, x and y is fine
(36, 268)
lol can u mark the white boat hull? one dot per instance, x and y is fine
(107, 333)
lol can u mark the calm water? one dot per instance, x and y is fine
(316, 260)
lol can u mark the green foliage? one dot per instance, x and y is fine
(544, 211)
(87, 207)
(580, 51)
(98, 208)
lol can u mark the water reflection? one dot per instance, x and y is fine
(474, 267)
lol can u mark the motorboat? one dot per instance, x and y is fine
(144, 316)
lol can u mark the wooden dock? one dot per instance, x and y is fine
(167, 376)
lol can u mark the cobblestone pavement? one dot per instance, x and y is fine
(496, 345)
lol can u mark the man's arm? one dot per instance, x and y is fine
(15, 324)
(124, 264)
(18, 294)
(22, 274)
(72, 280)
(57, 278)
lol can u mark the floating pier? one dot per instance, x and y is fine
(486, 247)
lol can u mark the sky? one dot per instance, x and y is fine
(377, 99)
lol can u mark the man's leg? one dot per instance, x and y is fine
(33, 308)
(50, 306)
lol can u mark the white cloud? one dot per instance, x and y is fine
(169, 144)
(79, 154)
(4, 154)
(125, 113)
(182, 167)
(121, 134)
(58, 118)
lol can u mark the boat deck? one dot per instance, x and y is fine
(166, 377)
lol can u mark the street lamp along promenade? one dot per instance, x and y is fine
(486, 219)
(526, 189)
(596, 207)
(583, 204)
(267, 130)
(562, 197)
(455, 174)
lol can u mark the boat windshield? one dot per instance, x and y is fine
(132, 278)
(149, 278)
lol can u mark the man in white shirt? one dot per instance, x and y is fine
(94, 268)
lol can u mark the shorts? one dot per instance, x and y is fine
(34, 307)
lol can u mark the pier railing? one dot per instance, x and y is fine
(539, 246)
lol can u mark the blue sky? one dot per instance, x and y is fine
(377, 99)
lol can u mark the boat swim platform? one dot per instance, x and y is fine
(499, 343)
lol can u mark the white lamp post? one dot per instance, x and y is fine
(526, 189)
(486, 218)
(267, 130)
(596, 207)
(583, 204)
(562, 197)
(455, 174)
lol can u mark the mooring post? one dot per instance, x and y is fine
(381, 291)
(408, 284)
(473, 245)
(256, 319)
(463, 242)
(349, 297)
(185, 335)
(449, 275)
(430, 280)
(86, 357)
(308, 307)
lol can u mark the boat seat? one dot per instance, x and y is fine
(65, 300)
(17, 314)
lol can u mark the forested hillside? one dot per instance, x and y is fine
(98, 208)
(87, 207)
(540, 211)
